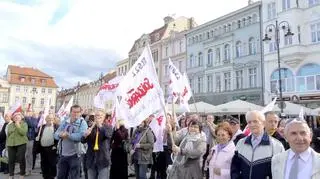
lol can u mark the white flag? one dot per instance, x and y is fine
(301, 114)
(176, 80)
(61, 109)
(42, 120)
(139, 93)
(66, 110)
(269, 107)
(157, 125)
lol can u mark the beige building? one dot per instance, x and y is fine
(154, 39)
(83, 94)
(123, 67)
(4, 96)
(174, 47)
(31, 86)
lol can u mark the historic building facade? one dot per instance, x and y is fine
(299, 54)
(224, 57)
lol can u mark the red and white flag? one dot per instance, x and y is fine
(106, 92)
(16, 108)
(42, 120)
(139, 93)
(66, 110)
(158, 125)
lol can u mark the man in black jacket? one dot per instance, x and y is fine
(235, 127)
(271, 125)
(316, 140)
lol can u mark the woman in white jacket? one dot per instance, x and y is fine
(219, 161)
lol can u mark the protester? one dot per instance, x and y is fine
(70, 133)
(187, 162)
(120, 149)
(300, 161)
(235, 128)
(98, 154)
(219, 160)
(252, 159)
(17, 143)
(32, 123)
(3, 138)
(142, 147)
(48, 148)
(271, 125)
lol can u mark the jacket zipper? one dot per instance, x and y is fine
(252, 160)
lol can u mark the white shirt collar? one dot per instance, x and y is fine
(304, 156)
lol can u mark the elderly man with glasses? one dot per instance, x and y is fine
(300, 161)
(252, 159)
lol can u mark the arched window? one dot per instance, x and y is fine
(244, 22)
(249, 20)
(239, 24)
(308, 78)
(287, 80)
(200, 59)
(210, 57)
(229, 27)
(190, 61)
(252, 46)
(238, 49)
(227, 53)
(254, 18)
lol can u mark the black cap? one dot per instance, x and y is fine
(233, 120)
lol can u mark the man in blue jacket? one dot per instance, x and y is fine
(69, 133)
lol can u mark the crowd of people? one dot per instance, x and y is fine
(85, 144)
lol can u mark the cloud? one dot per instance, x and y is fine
(76, 40)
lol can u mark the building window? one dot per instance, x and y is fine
(50, 91)
(239, 24)
(200, 59)
(315, 32)
(24, 100)
(180, 66)
(210, 57)
(285, 5)
(227, 81)
(154, 56)
(17, 88)
(4, 98)
(181, 46)
(33, 81)
(208, 35)
(227, 53)
(287, 40)
(244, 22)
(200, 84)
(167, 51)
(43, 90)
(43, 82)
(22, 79)
(16, 99)
(218, 56)
(209, 83)
(42, 101)
(166, 70)
(252, 77)
(190, 61)
(249, 20)
(218, 82)
(308, 78)
(271, 10)
(272, 46)
(252, 46)
(313, 2)
(287, 81)
(239, 79)
(238, 49)
(254, 18)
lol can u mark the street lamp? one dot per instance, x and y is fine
(275, 28)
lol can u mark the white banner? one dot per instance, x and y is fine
(269, 107)
(158, 125)
(66, 110)
(139, 93)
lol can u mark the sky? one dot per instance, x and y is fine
(76, 40)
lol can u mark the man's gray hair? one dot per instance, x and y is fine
(289, 122)
(260, 115)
